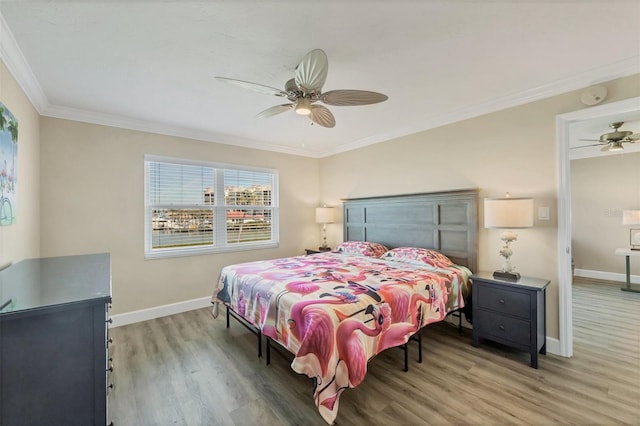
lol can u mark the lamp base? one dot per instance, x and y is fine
(506, 276)
(324, 248)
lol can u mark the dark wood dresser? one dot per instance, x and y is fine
(510, 313)
(54, 355)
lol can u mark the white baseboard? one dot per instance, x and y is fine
(553, 346)
(160, 311)
(607, 276)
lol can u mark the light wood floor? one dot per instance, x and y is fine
(188, 369)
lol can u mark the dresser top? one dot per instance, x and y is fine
(37, 283)
(530, 282)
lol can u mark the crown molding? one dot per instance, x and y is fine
(18, 66)
(623, 68)
(128, 123)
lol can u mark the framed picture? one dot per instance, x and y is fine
(8, 166)
(634, 239)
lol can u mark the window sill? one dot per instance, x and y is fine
(169, 253)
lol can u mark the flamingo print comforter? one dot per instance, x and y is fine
(335, 312)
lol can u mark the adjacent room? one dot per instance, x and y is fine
(351, 212)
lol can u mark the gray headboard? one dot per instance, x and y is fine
(444, 221)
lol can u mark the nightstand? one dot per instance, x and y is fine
(511, 313)
(314, 251)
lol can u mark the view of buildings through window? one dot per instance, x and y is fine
(186, 213)
(245, 221)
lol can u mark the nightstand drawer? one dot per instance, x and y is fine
(505, 301)
(504, 328)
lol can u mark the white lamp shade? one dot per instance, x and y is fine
(324, 215)
(508, 213)
(631, 217)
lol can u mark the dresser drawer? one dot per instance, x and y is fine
(505, 301)
(503, 328)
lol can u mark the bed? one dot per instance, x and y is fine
(405, 263)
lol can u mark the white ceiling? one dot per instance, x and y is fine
(150, 65)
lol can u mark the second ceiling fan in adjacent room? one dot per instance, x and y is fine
(613, 141)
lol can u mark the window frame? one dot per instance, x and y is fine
(219, 209)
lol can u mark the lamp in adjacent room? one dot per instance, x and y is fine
(632, 217)
(508, 213)
(324, 215)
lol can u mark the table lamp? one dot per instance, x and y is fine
(508, 213)
(632, 217)
(324, 215)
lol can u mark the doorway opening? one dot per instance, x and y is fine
(566, 127)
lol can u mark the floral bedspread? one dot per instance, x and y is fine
(335, 312)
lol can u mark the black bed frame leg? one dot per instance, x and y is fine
(268, 351)
(259, 344)
(228, 314)
(460, 323)
(420, 346)
(406, 357)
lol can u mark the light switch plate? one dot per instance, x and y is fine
(543, 213)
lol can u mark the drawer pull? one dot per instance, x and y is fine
(501, 301)
(110, 369)
(110, 320)
(110, 340)
(110, 386)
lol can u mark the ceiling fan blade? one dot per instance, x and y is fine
(634, 137)
(312, 71)
(352, 97)
(322, 116)
(274, 110)
(253, 86)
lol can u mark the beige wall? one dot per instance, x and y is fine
(81, 189)
(92, 201)
(600, 189)
(22, 240)
(511, 150)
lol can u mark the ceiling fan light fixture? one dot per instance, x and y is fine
(303, 106)
(616, 146)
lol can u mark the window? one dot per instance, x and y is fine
(194, 207)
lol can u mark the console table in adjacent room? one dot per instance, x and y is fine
(628, 253)
(54, 360)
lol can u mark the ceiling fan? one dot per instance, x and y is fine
(613, 140)
(305, 89)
